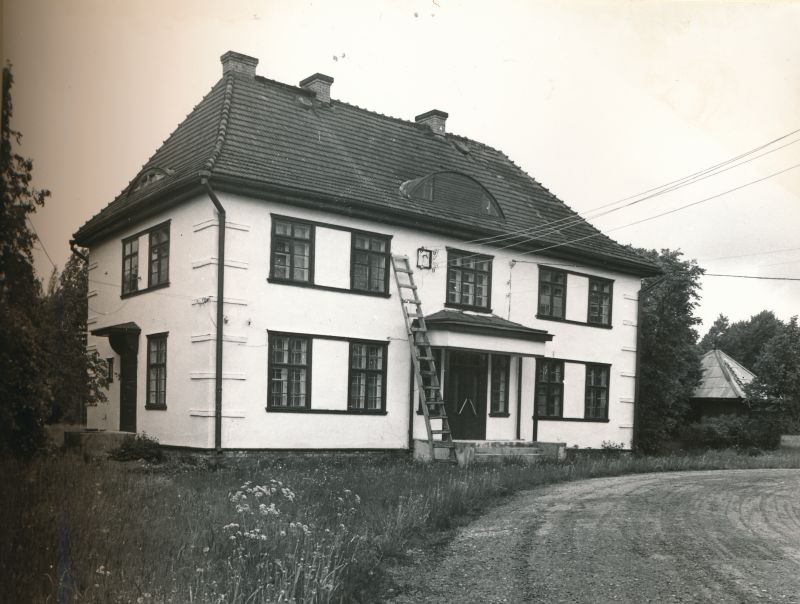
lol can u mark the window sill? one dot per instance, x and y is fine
(573, 419)
(329, 288)
(144, 291)
(481, 309)
(155, 407)
(323, 411)
(497, 414)
(560, 320)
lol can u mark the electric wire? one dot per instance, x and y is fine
(580, 218)
(667, 187)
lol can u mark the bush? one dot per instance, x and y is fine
(139, 446)
(731, 432)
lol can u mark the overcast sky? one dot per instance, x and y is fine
(596, 100)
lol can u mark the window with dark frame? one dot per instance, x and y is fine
(600, 301)
(292, 251)
(289, 372)
(369, 261)
(597, 377)
(549, 388)
(157, 371)
(500, 382)
(552, 293)
(367, 377)
(469, 280)
(130, 265)
(159, 256)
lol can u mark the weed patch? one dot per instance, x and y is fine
(257, 528)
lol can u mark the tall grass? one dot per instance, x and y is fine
(250, 529)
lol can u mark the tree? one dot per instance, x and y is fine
(711, 341)
(77, 377)
(669, 362)
(775, 392)
(743, 340)
(24, 388)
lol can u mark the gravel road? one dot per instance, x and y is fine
(722, 536)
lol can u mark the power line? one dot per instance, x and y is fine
(672, 211)
(788, 249)
(41, 243)
(656, 191)
(752, 277)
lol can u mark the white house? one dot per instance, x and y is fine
(284, 330)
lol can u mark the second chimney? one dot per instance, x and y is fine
(236, 61)
(434, 119)
(320, 85)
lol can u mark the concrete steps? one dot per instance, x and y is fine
(496, 451)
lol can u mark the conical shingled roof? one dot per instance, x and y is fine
(261, 134)
(722, 377)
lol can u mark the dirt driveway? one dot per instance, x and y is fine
(723, 536)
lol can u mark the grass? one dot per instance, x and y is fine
(258, 528)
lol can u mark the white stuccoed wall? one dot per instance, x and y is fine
(186, 309)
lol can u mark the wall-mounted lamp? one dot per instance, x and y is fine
(424, 258)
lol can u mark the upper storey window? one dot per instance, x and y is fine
(369, 261)
(552, 293)
(469, 280)
(292, 251)
(600, 301)
(453, 191)
(130, 265)
(157, 254)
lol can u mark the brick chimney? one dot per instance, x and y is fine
(236, 61)
(320, 85)
(434, 119)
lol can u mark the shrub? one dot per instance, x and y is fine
(731, 431)
(139, 446)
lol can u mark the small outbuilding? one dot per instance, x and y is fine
(721, 389)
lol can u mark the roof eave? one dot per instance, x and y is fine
(350, 207)
(103, 227)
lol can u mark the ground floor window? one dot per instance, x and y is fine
(156, 371)
(549, 388)
(597, 391)
(289, 371)
(500, 381)
(367, 376)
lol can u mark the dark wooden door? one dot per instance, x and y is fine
(127, 393)
(465, 395)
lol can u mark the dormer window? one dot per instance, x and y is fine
(149, 177)
(454, 191)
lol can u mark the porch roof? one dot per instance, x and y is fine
(490, 325)
(121, 329)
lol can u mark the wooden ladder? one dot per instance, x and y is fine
(427, 378)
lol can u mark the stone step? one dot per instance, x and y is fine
(508, 451)
(527, 457)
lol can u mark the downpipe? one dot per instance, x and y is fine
(220, 311)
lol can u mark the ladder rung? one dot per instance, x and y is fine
(411, 301)
(444, 444)
(407, 285)
(422, 358)
(419, 329)
(399, 257)
(440, 431)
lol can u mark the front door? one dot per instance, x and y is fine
(465, 395)
(127, 392)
